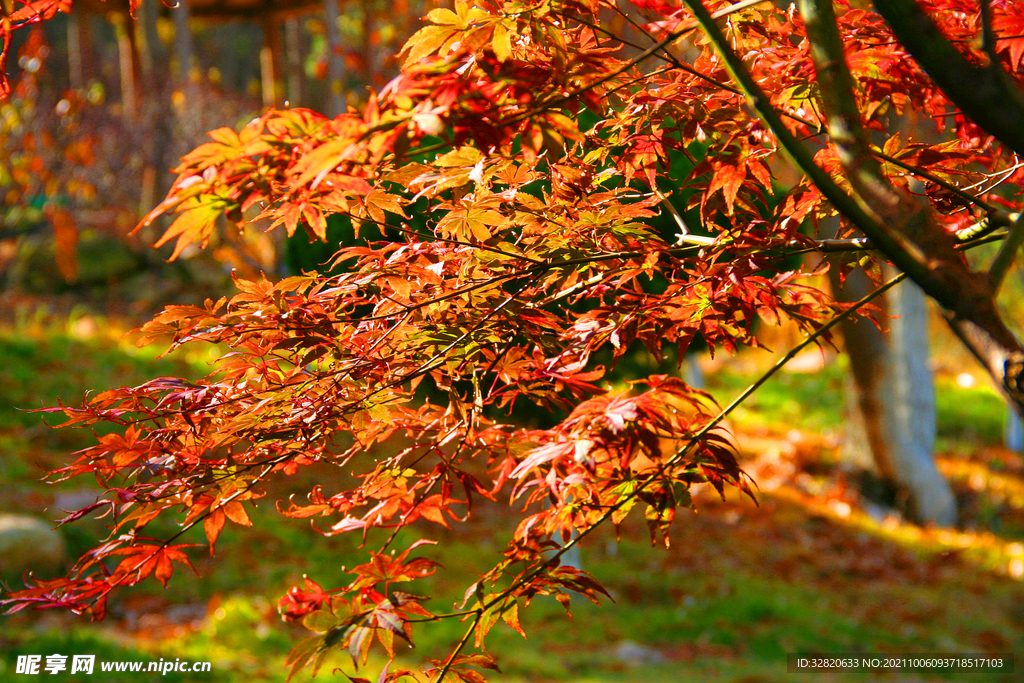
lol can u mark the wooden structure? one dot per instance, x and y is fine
(135, 63)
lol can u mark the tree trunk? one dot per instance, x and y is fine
(183, 41)
(271, 63)
(335, 68)
(1013, 431)
(293, 56)
(891, 421)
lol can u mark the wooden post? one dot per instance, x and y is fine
(335, 72)
(75, 57)
(270, 62)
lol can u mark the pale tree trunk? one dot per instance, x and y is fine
(891, 414)
(1013, 431)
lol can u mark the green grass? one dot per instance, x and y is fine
(974, 414)
(815, 402)
(38, 372)
(722, 602)
(45, 362)
(812, 402)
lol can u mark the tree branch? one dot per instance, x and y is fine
(1007, 252)
(988, 36)
(985, 94)
(801, 153)
(900, 228)
(904, 254)
(968, 296)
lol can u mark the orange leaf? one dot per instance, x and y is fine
(212, 525)
(235, 511)
(164, 569)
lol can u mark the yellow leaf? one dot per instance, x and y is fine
(316, 221)
(321, 160)
(478, 229)
(444, 16)
(225, 136)
(401, 286)
(426, 41)
(501, 42)
(464, 156)
(193, 225)
(235, 511)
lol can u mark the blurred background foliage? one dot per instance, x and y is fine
(104, 106)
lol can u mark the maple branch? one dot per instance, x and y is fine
(663, 54)
(683, 66)
(941, 275)
(972, 238)
(115, 581)
(1006, 173)
(985, 94)
(442, 672)
(564, 98)
(800, 152)
(793, 352)
(433, 238)
(436, 360)
(824, 245)
(966, 197)
(921, 243)
(681, 452)
(1007, 252)
(634, 61)
(910, 225)
(32, 13)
